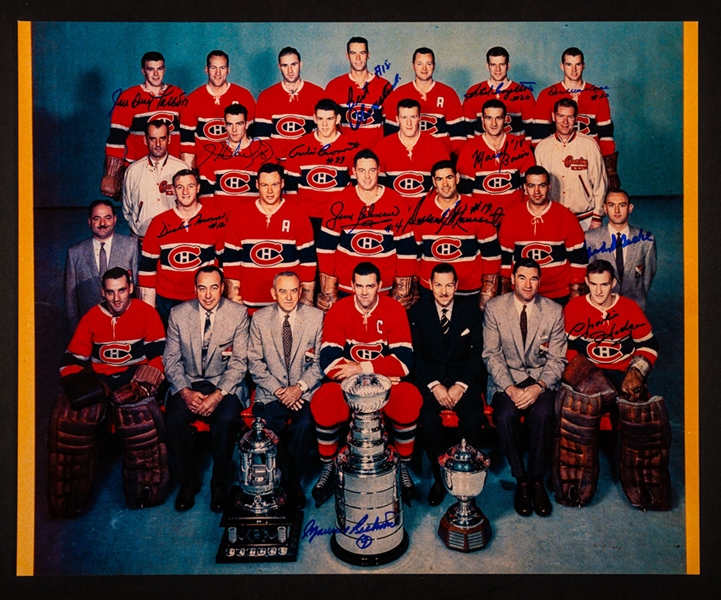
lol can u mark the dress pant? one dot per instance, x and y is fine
(225, 424)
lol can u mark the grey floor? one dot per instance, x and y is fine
(606, 537)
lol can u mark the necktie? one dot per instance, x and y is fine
(619, 257)
(445, 323)
(206, 335)
(524, 325)
(287, 341)
(103, 259)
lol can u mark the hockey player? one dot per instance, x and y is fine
(517, 98)
(594, 113)
(365, 333)
(447, 231)
(285, 110)
(550, 234)
(114, 354)
(202, 118)
(492, 165)
(270, 236)
(364, 223)
(441, 110)
(149, 101)
(406, 157)
(611, 351)
(578, 177)
(361, 95)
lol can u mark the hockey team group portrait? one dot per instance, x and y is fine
(349, 298)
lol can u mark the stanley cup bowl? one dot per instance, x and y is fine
(367, 392)
(464, 470)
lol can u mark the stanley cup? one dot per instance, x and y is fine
(369, 514)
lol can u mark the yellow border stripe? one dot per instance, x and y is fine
(26, 312)
(690, 259)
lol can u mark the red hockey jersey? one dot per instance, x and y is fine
(519, 102)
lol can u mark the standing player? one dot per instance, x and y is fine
(492, 165)
(285, 110)
(406, 157)
(441, 110)
(202, 119)
(361, 95)
(517, 98)
(266, 238)
(594, 112)
(149, 101)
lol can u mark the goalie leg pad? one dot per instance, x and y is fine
(645, 444)
(141, 428)
(72, 456)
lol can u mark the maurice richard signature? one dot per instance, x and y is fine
(361, 529)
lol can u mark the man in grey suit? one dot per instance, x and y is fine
(205, 363)
(86, 261)
(525, 354)
(631, 251)
(283, 358)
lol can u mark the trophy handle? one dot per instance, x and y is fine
(448, 480)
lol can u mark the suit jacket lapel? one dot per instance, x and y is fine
(630, 254)
(196, 338)
(534, 322)
(89, 256)
(515, 325)
(297, 333)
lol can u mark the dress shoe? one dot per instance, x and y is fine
(185, 499)
(437, 493)
(541, 503)
(522, 500)
(295, 494)
(218, 498)
(323, 489)
(408, 489)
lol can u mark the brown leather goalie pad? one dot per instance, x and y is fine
(141, 429)
(579, 404)
(72, 456)
(644, 456)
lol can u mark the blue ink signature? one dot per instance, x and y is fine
(362, 528)
(642, 236)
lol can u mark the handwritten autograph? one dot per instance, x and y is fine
(642, 236)
(361, 529)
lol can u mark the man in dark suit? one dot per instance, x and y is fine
(205, 363)
(86, 261)
(447, 343)
(283, 358)
(525, 354)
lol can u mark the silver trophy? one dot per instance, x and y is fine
(464, 527)
(369, 514)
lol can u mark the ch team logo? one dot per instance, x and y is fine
(429, 123)
(367, 243)
(408, 184)
(364, 352)
(184, 257)
(168, 117)
(539, 252)
(497, 183)
(290, 127)
(234, 183)
(583, 124)
(359, 115)
(115, 353)
(214, 130)
(267, 254)
(165, 187)
(446, 248)
(322, 178)
(605, 352)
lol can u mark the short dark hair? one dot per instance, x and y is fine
(537, 170)
(327, 104)
(286, 51)
(424, 50)
(365, 153)
(235, 109)
(600, 266)
(101, 202)
(444, 268)
(183, 173)
(116, 273)
(497, 51)
(572, 51)
(209, 269)
(356, 40)
(443, 164)
(618, 191)
(529, 263)
(408, 103)
(365, 268)
(151, 56)
(270, 167)
(157, 123)
(566, 103)
(493, 103)
(213, 53)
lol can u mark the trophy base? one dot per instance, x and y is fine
(259, 538)
(369, 560)
(465, 539)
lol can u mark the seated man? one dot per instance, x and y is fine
(611, 351)
(283, 358)
(115, 354)
(365, 333)
(447, 341)
(205, 362)
(524, 351)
